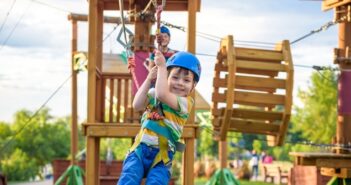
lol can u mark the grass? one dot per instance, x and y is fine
(202, 181)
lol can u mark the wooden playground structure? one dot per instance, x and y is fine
(126, 125)
(337, 164)
(245, 92)
(252, 90)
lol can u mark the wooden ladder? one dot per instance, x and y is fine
(252, 90)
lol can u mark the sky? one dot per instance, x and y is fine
(35, 45)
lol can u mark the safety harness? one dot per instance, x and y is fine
(154, 121)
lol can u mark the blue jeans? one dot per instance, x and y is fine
(135, 168)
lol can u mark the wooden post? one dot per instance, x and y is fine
(189, 155)
(343, 136)
(95, 20)
(74, 124)
(223, 153)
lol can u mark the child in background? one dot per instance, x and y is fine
(164, 37)
(167, 108)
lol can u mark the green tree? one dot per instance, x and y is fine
(5, 136)
(40, 139)
(316, 119)
(19, 166)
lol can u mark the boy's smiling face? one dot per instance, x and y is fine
(181, 81)
(165, 39)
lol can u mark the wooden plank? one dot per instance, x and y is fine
(289, 91)
(103, 102)
(305, 161)
(228, 44)
(245, 64)
(92, 160)
(126, 99)
(258, 54)
(341, 172)
(320, 155)
(283, 129)
(333, 163)
(258, 98)
(252, 126)
(221, 98)
(171, 5)
(252, 82)
(330, 4)
(188, 161)
(112, 92)
(119, 98)
(257, 114)
(127, 130)
(107, 19)
(270, 73)
(290, 76)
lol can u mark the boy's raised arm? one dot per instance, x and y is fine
(140, 99)
(163, 92)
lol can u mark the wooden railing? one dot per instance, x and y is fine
(116, 105)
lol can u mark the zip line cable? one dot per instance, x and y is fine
(3, 148)
(7, 15)
(322, 28)
(14, 28)
(51, 6)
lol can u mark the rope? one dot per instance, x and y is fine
(158, 24)
(131, 62)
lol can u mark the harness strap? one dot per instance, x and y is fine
(163, 131)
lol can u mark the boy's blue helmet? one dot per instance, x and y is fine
(164, 29)
(186, 60)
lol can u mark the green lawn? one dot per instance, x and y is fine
(202, 181)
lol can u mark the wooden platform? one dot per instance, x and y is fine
(331, 164)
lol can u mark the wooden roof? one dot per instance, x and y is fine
(171, 5)
(116, 63)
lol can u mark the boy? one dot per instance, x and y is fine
(167, 108)
(164, 37)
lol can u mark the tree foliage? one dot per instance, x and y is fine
(35, 141)
(316, 119)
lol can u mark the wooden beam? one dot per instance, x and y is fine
(188, 161)
(228, 44)
(257, 114)
(330, 4)
(95, 35)
(336, 172)
(257, 65)
(171, 5)
(107, 19)
(252, 82)
(126, 130)
(253, 126)
(285, 48)
(222, 154)
(258, 54)
(333, 163)
(270, 73)
(74, 109)
(188, 157)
